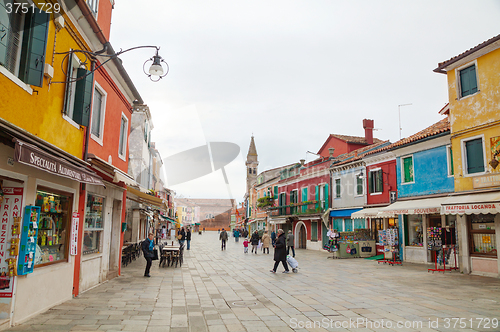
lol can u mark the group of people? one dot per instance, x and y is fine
(184, 236)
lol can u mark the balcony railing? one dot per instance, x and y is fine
(303, 208)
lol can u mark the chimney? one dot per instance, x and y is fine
(331, 151)
(368, 126)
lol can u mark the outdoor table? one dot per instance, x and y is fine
(169, 250)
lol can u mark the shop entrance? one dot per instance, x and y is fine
(302, 237)
(114, 244)
(376, 225)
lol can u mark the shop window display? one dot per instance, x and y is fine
(53, 225)
(482, 235)
(415, 232)
(94, 220)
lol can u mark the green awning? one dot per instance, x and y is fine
(168, 219)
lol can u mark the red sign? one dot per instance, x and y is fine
(10, 208)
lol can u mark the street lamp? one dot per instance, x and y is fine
(155, 71)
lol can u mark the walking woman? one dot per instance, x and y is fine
(280, 252)
(147, 248)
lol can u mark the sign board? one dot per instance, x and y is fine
(491, 180)
(75, 219)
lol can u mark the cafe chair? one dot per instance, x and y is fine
(177, 256)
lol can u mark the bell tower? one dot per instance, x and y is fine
(251, 163)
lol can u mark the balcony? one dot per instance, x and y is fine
(303, 208)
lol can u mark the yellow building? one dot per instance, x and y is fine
(474, 110)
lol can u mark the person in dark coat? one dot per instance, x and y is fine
(280, 252)
(182, 233)
(223, 238)
(147, 247)
(188, 238)
(254, 240)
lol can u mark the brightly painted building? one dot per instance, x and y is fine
(474, 99)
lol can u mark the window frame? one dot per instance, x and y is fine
(403, 182)
(95, 3)
(95, 229)
(123, 156)
(104, 95)
(464, 155)
(459, 85)
(373, 170)
(356, 178)
(338, 191)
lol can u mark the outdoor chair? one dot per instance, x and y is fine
(177, 256)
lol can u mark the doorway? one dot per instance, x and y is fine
(302, 235)
(114, 243)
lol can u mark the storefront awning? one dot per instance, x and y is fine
(122, 177)
(343, 213)
(417, 206)
(31, 155)
(483, 203)
(366, 213)
(167, 218)
(140, 197)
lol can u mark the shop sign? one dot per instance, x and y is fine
(492, 180)
(74, 233)
(483, 208)
(31, 155)
(10, 208)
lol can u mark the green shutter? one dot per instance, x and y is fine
(408, 169)
(316, 197)
(370, 182)
(326, 196)
(275, 192)
(475, 160)
(304, 198)
(314, 231)
(83, 97)
(452, 171)
(338, 224)
(468, 81)
(32, 62)
(380, 183)
(337, 188)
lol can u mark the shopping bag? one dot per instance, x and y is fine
(354, 251)
(366, 247)
(155, 254)
(348, 249)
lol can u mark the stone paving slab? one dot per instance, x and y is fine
(216, 291)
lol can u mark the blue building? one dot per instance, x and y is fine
(424, 180)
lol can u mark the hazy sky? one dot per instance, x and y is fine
(292, 72)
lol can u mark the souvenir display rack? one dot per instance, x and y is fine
(441, 241)
(29, 234)
(389, 238)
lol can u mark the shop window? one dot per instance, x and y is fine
(474, 156)
(348, 225)
(314, 231)
(407, 171)
(122, 144)
(94, 223)
(99, 106)
(414, 229)
(375, 182)
(359, 223)
(23, 40)
(468, 81)
(338, 224)
(53, 227)
(482, 235)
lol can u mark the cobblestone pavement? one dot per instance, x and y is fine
(217, 291)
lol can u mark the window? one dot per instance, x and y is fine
(413, 223)
(145, 131)
(93, 6)
(337, 188)
(94, 224)
(375, 182)
(275, 192)
(294, 200)
(122, 145)
(314, 231)
(474, 156)
(359, 185)
(23, 42)
(99, 106)
(282, 202)
(451, 170)
(407, 171)
(468, 81)
(53, 226)
(482, 235)
(348, 225)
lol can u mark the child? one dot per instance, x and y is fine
(245, 245)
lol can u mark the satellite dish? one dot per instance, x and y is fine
(200, 161)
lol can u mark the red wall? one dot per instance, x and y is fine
(390, 182)
(104, 17)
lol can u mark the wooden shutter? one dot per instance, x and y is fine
(370, 182)
(380, 182)
(83, 97)
(32, 63)
(314, 231)
(468, 81)
(337, 188)
(304, 198)
(96, 113)
(475, 160)
(452, 171)
(316, 196)
(326, 196)
(408, 169)
(275, 192)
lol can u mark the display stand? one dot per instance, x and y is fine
(29, 235)
(442, 241)
(390, 240)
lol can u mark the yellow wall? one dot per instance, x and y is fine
(41, 114)
(474, 115)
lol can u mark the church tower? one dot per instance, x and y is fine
(251, 163)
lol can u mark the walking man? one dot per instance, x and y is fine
(147, 247)
(188, 238)
(254, 240)
(290, 240)
(223, 238)
(280, 252)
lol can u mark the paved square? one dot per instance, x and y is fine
(228, 290)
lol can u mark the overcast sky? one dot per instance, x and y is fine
(292, 72)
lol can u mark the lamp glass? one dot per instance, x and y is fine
(156, 69)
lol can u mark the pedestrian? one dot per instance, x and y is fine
(218, 231)
(273, 238)
(290, 240)
(236, 235)
(188, 238)
(266, 240)
(280, 252)
(203, 229)
(147, 247)
(181, 236)
(223, 238)
(254, 240)
(245, 245)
